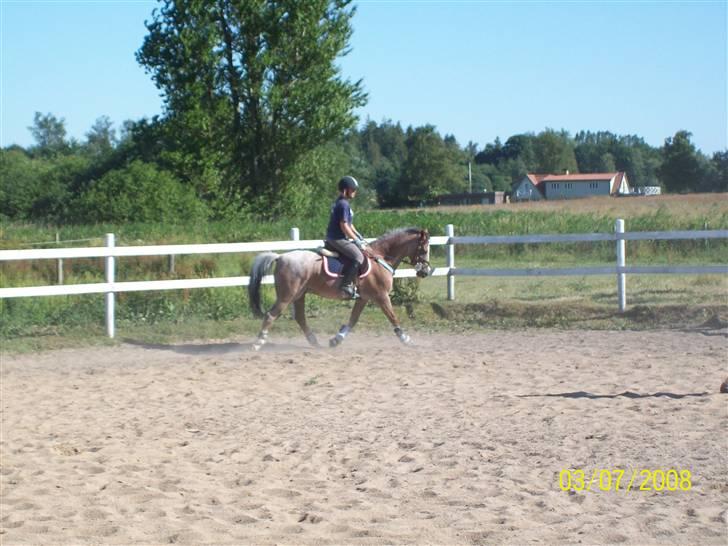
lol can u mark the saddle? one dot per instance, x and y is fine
(333, 263)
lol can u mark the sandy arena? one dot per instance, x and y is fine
(460, 440)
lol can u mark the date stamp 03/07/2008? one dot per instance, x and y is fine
(619, 479)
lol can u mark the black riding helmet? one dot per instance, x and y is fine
(348, 183)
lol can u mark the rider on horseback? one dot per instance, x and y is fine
(342, 237)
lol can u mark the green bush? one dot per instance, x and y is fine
(37, 189)
(29, 316)
(140, 192)
(405, 291)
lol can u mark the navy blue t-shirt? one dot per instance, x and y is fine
(340, 210)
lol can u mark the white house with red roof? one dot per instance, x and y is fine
(534, 187)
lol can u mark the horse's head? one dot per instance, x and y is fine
(411, 244)
(420, 258)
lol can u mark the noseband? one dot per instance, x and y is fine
(418, 260)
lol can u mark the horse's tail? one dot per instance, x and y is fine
(261, 265)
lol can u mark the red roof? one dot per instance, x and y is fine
(536, 178)
(582, 177)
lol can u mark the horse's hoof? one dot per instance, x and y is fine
(335, 341)
(403, 337)
(261, 340)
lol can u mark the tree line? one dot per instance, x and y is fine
(259, 121)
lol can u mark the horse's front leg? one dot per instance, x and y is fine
(359, 306)
(386, 304)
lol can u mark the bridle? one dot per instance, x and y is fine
(419, 259)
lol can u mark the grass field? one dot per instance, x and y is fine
(562, 302)
(697, 205)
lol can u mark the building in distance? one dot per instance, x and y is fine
(535, 187)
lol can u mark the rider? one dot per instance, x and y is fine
(343, 237)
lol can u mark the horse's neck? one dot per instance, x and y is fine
(392, 251)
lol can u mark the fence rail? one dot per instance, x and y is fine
(110, 252)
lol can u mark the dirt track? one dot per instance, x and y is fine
(459, 440)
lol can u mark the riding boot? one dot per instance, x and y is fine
(348, 287)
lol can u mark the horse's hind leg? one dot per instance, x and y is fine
(299, 311)
(289, 285)
(270, 317)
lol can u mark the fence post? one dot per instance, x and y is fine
(450, 232)
(621, 276)
(60, 260)
(110, 243)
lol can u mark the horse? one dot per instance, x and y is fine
(300, 272)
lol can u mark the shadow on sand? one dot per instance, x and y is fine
(625, 394)
(213, 349)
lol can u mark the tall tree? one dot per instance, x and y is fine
(680, 169)
(253, 84)
(49, 133)
(521, 147)
(554, 152)
(101, 139)
(385, 148)
(433, 166)
(720, 178)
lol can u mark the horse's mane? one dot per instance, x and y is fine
(391, 234)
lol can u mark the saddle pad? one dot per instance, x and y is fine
(333, 267)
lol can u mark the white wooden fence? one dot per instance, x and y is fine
(110, 252)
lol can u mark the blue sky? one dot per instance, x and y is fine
(476, 70)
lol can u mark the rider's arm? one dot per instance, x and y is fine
(348, 230)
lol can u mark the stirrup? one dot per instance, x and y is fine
(349, 292)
